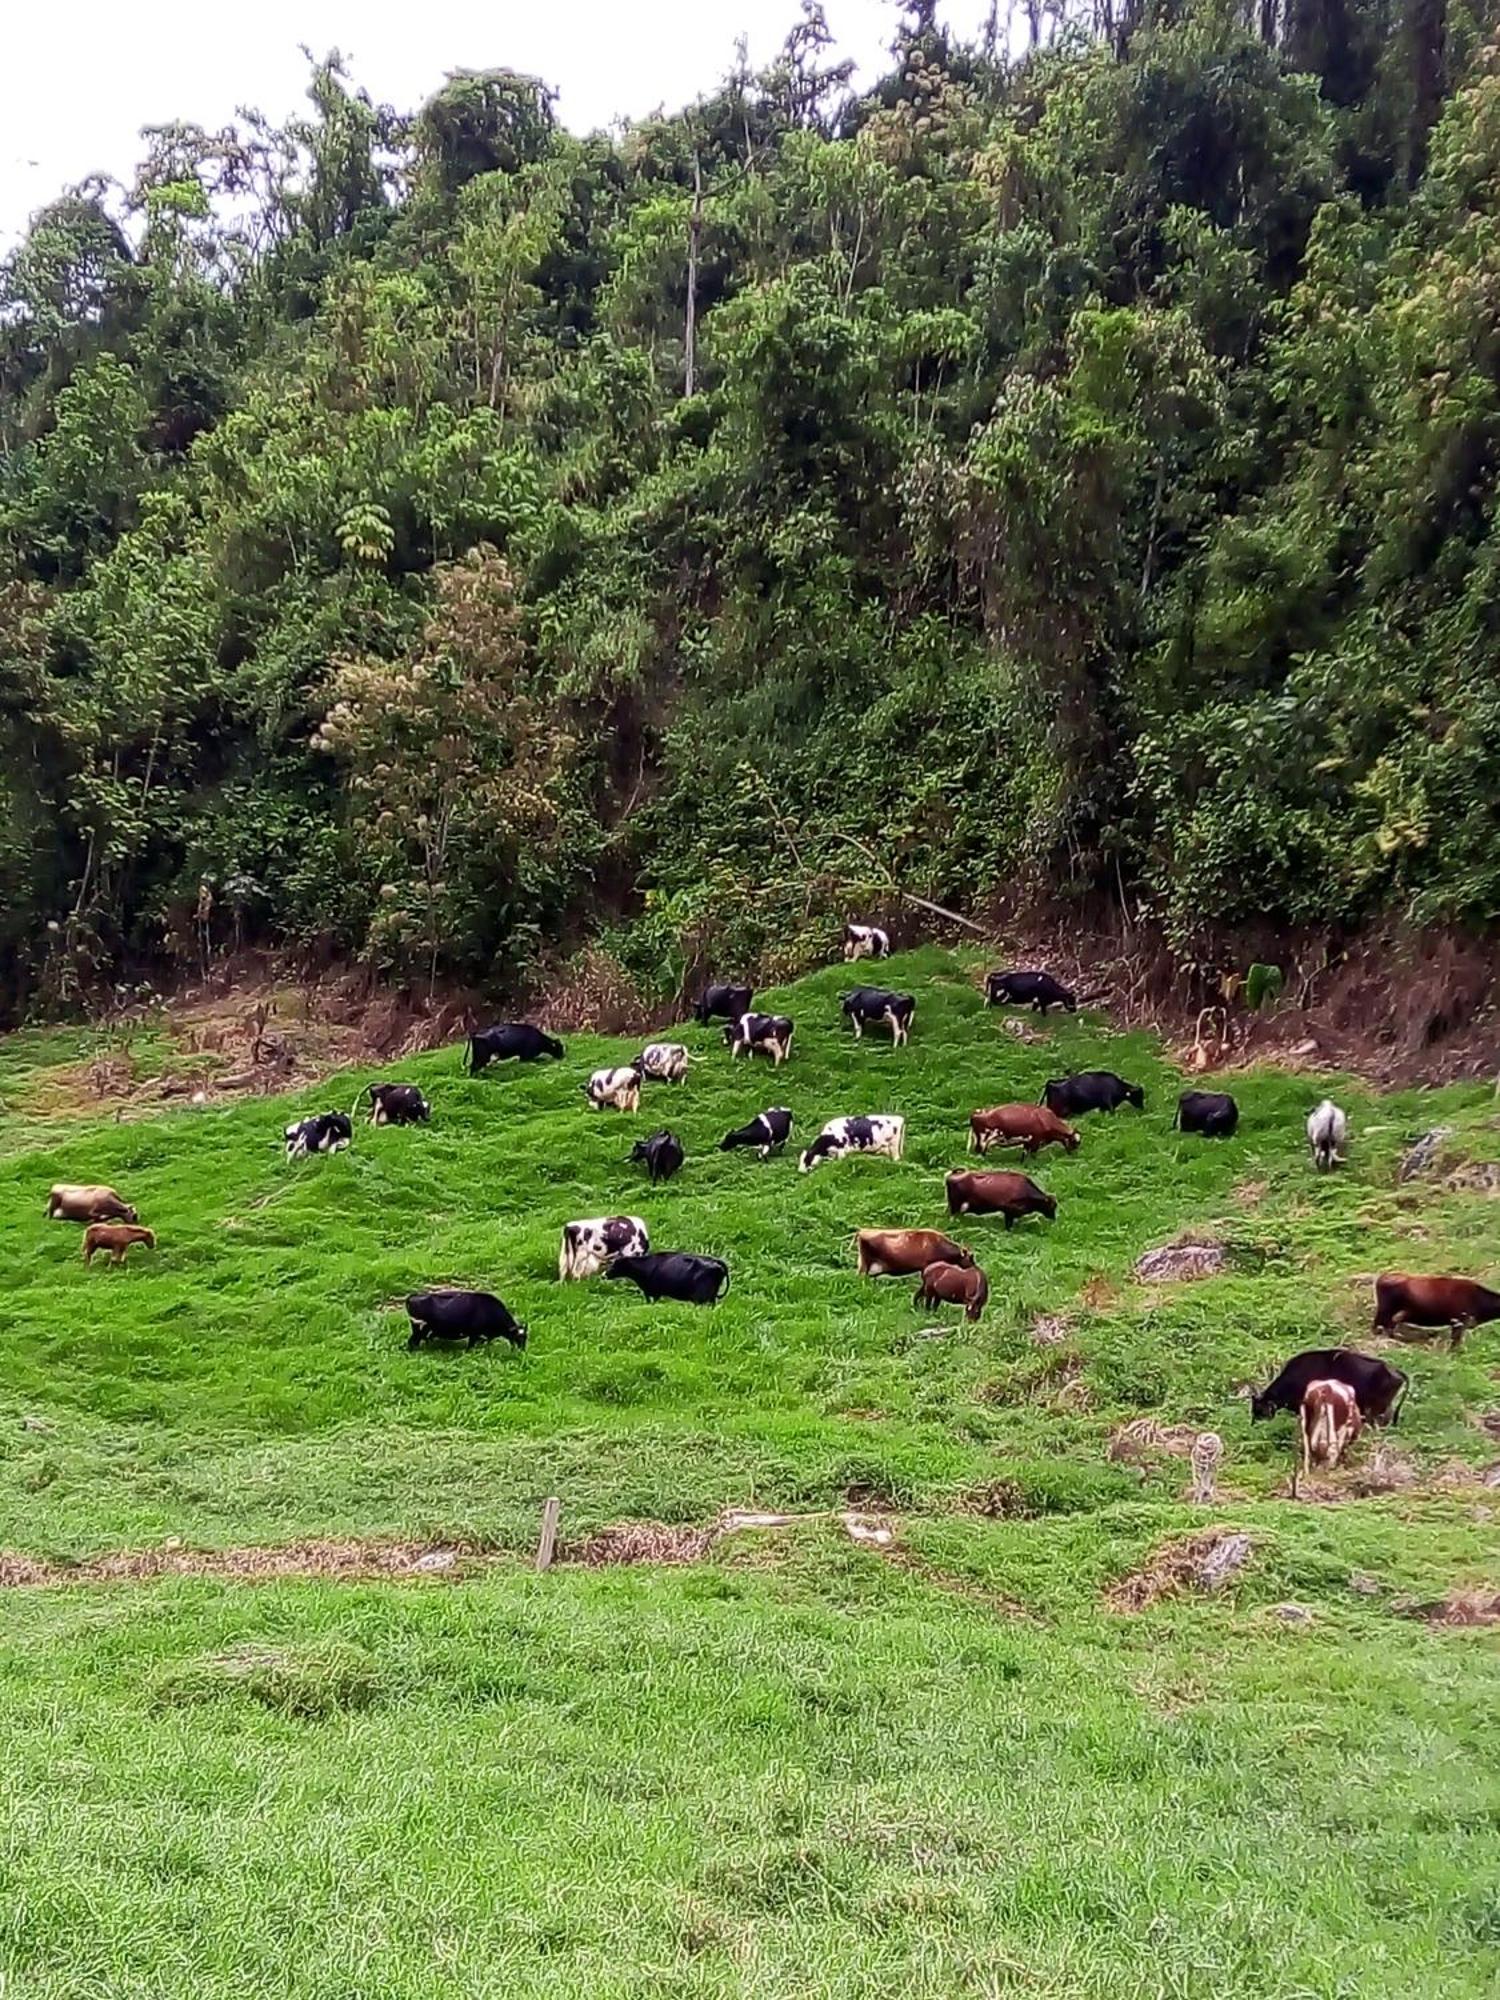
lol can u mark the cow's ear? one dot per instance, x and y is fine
(1245, 1391)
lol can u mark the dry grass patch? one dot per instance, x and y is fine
(1204, 1561)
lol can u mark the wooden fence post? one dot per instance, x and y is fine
(548, 1543)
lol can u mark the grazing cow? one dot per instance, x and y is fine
(660, 1154)
(116, 1238)
(956, 1285)
(587, 1246)
(1457, 1303)
(1027, 989)
(1012, 1195)
(323, 1132)
(1029, 1126)
(768, 1131)
(398, 1104)
(1327, 1129)
(458, 1315)
(866, 941)
(896, 1253)
(1213, 1114)
(872, 1006)
(771, 1034)
(1378, 1388)
(723, 1003)
(71, 1202)
(1091, 1090)
(512, 1041)
(614, 1089)
(662, 1062)
(1330, 1422)
(674, 1274)
(881, 1133)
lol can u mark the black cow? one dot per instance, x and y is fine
(660, 1153)
(873, 1006)
(674, 1274)
(1212, 1113)
(723, 1003)
(1379, 1389)
(323, 1132)
(398, 1104)
(767, 1130)
(1027, 989)
(470, 1316)
(512, 1040)
(1091, 1090)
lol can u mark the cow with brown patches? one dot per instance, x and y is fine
(72, 1203)
(116, 1238)
(952, 1285)
(1331, 1421)
(897, 1253)
(1457, 1303)
(1014, 1196)
(1029, 1126)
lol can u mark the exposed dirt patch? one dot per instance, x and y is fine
(1387, 1469)
(346, 1561)
(1099, 1293)
(1051, 1329)
(1476, 1605)
(1250, 1194)
(1188, 1258)
(1135, 1442)
(652, 1542)
(1205, 1561)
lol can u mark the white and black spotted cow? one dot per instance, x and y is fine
(587, 1246)
(874, 1007)
(768, 1132)
(883, 1133)
(866, 941)
(761, 1034)
(662, 1062)
(323, 1132)
(614, 1089)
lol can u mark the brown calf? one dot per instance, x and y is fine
(896, 1253)
(70, 1203)
(1030, 1126)
(1330, 1421)
(1010, 1195)
(1457, 1303)
(116, 1238)
(948, 1282)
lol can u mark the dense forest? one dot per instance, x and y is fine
(1068, 468)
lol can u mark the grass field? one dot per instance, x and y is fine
(796, 1764)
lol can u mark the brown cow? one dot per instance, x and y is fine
(967, 1288)
(1330, 1421)
(70, 1203)
(897, 1253)
(116, 1238)
(1030, 1126)
(1457, 1303)
(1010, 1195)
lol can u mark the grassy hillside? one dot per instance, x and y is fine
(796, 1764)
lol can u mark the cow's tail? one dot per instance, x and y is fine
(1400, 1398)
(723, 1291)
(469, 1053)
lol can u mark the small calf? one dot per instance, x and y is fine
(954, 1285)
(1327, 1129)
(660, 1153)
(71, 1202)
(1331, 1421)
(866, 941)
(116, 1238)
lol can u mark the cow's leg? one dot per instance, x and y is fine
(417, 1335)
(1456, 1334)
(858, 1027)
(1009, 1219)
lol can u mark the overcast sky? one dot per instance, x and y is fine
(77, 84)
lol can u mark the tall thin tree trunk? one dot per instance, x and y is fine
(1427, 31)
(695, 234)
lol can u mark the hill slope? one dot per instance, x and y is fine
(796, 1763)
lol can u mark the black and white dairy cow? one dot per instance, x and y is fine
(323, 1132)
(866, 941)
(884, 1133)
(874, 1007)
(587, 1246)
(398, 1104)
(722, 1003)
(456, 1315)
(763, 1034)
(768, 1132)
(662, 1062)
(511, 1041)
(615, 1089)
(674, 1274)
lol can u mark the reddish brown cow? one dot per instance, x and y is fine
(1030, 1126)
(1330, 1421)
(1010, 1195)
(1457, 1303)
(896, 1253)
(116, 1238)
(947, 1282)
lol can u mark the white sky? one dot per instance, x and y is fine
(77, 86)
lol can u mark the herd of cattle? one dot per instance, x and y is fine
(1332, 1391)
